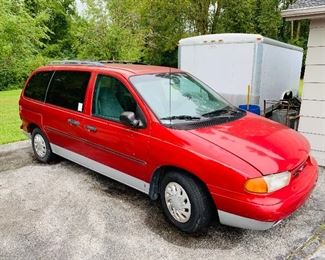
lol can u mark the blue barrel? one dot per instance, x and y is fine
(251, 108)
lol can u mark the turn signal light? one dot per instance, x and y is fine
(269, 183)
(257, 185)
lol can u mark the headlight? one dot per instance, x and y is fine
(269, 183)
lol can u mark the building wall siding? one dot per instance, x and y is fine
(312, 121)
(314, 108)
(316, 35)
(312, 125)
(318, 145)
(316, 55)
(314, 91)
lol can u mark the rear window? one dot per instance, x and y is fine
(68, 89)
(37, 85)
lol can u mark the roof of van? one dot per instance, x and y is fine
(140, 69)
(234, 38)
(125, 69)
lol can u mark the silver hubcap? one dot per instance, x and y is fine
(39, 145)
(177, 202)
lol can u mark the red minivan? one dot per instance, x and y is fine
(167, 134)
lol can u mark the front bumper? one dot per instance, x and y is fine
(233, 220)
(261, 212)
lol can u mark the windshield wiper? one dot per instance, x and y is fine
(181, 117)
(225, 111)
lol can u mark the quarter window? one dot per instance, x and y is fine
(68, 89)
(37, 85)
(111, 98)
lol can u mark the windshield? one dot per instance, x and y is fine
(178, 96)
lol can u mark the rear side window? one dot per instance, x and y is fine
(37, 85)
(68, 89)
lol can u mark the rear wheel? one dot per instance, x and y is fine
(185, 202)
(41, 146)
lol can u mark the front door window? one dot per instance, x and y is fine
(111, 98)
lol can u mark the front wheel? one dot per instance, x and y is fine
(41, 146)
(185, 202)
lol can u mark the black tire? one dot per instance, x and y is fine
(200, 203)
(48, 155)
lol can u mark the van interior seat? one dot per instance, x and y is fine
(108, 104)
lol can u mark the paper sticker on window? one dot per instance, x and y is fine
(80, 107)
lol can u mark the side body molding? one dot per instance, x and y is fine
(102, 169)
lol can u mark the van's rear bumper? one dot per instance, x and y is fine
(263, 212)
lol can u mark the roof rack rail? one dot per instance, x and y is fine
(76, 62)
(122, 62)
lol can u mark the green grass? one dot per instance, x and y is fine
(301, 86)
(9, 117)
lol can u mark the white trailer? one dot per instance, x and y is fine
(230, 62)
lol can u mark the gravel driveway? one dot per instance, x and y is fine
(65, 211)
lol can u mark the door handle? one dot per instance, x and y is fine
(73, 122)
(91, 128)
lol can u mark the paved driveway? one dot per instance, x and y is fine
(65, 211)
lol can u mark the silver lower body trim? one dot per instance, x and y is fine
(233, 220)
(102, 169)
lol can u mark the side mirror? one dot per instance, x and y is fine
(128, 118)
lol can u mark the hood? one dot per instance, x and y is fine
(268, 146)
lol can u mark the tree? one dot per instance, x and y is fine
(203, 15)
(21, 41)
(60, 14)
(104, 34)
(268, 18)
(34, 31)
(164, 23)
(238, 16)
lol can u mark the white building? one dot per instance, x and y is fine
(312, 121)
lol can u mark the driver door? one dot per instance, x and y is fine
(111, 143)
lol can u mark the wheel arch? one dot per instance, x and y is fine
(159, 173)
(31, 127)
